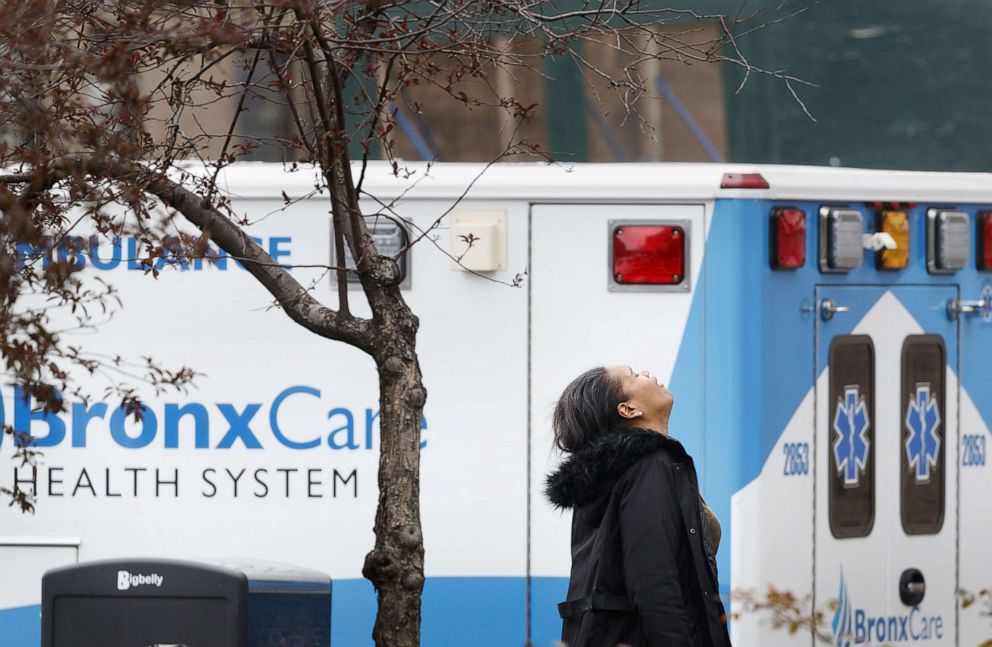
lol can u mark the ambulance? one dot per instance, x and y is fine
(826, 332)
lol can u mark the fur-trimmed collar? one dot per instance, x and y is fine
(593, 469)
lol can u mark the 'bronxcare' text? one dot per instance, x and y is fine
(239, 424)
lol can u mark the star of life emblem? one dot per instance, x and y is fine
(923, 444)
(851, 445)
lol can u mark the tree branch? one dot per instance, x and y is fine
(299, 305)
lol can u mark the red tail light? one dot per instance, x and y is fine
(788, 238)
(985, 240)
(743, 181)
(648, 254)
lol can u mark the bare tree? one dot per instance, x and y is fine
(102, 103)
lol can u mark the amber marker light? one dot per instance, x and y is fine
(896, 224)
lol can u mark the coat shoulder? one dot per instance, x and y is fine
(586, 474)
(656, 467)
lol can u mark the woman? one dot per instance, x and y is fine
(643, 541)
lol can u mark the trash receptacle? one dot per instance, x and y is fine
(148, 603)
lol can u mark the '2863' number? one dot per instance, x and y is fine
(796, 459)
(973, 447)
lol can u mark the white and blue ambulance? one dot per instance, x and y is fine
(827, 334)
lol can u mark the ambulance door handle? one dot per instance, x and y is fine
(912, 587)
(957, 307)
(828, 309)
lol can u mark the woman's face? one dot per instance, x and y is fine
(648, 402)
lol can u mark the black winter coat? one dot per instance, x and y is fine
(640, 575)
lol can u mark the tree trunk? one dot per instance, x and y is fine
(396, 564)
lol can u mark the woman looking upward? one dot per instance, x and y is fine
(643, 540)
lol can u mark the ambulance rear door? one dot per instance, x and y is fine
(886, 445)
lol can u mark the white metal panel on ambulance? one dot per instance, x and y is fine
(578, 323)
(278, 447)
(25, 560)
